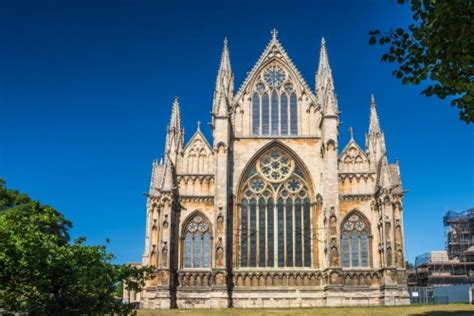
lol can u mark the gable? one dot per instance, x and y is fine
(274, 55)
(198, 144)
(197, 156)
(353, 159)
(275, 100)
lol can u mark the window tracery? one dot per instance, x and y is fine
(275, 211)
(196, 245)
(354, 243)
(274, 105)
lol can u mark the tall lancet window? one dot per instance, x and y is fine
(196, 243)
(275, 214)
(265, 114)
(355, 242)
(256, 114)
(293, 114)
(275, 113)
(274, 105)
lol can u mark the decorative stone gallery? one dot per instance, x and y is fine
(273, 213)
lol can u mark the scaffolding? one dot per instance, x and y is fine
(436, 269)
(459, 231)
(455, 265)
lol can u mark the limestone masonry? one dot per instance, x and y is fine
(272, 213)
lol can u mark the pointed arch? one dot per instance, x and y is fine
(355, 240)
(277, 144)
(276, 90)
(274, 210)
(196, 239)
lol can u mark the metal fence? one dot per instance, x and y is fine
(439, 294)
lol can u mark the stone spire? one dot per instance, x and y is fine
(175, 120)
(175, 133)
(325, 84)
(374, 140)
(374, 125)
(224, 84)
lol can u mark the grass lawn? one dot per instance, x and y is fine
(429, 310)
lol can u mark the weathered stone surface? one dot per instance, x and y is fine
(350, 190)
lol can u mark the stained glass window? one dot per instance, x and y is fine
(274, 105)
(253, 233)
(265, 115)
(364, 255)
(275, 113)
(293, 114)
(261, 231)
(256, 114)
(281, 235)
(188, 246)
(196, 244)
(345, 250)
(284, 114)
(354, 243)
(274, 76)
(289, 232)
(307, 233)
(277, 178)
(270, 227)
(298, 235)
(244, 230)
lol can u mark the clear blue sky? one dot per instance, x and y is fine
(86, 89)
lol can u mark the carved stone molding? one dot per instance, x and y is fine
(275, 278)
(195, 278)
(355, 197)
(196, 198)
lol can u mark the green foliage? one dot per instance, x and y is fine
(43, 273)
(438, 48)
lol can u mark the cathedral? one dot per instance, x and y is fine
(274, 211)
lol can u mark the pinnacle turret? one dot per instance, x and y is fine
(224, 84)
(325, 84)
(175, 120)
(175, 133)
(374, 125)
(375, 140)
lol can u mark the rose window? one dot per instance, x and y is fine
(275, 167)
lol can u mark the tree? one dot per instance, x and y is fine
(43, 273)
(438, 49)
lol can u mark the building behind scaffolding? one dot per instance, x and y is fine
(455, 265)
(459, 228)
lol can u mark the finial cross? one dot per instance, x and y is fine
(198, 124)
(351, 131)
(274, 33)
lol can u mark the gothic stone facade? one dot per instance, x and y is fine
(273, 213)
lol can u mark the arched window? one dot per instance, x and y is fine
(265, 115)
(275, 113)
(293, 114)
(354, 242)
(274, 105)
(196, 244)
(275, 213)
(284, 114)
(256, 114)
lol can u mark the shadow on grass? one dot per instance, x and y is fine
(446, 313)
